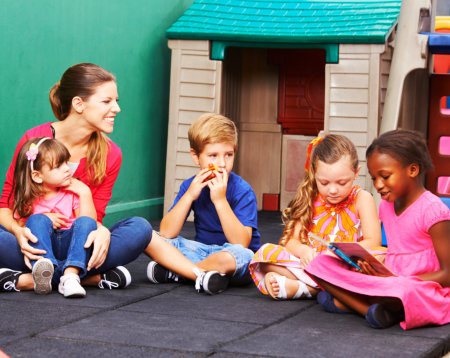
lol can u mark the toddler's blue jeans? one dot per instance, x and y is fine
(64, 247)
(129, 238)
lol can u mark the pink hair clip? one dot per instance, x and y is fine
(33, 151)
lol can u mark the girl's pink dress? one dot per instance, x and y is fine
(331, 222)
(410, 253)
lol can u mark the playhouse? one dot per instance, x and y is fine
(284, 71)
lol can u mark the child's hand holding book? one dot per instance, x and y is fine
(356, 256)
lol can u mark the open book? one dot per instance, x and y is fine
(351, 252)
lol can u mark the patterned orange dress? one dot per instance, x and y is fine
(335, 223)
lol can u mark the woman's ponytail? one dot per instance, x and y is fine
(55, 101)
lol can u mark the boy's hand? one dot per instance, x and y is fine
(218, 186)
(198, 183)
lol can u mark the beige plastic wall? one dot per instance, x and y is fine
(195, 85)
(353, 97)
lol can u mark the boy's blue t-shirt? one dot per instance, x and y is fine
(242, 201)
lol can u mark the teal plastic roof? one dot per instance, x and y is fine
(288, 21)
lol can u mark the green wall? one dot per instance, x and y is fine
(39, 39)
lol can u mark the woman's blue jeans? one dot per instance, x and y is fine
(129, 238)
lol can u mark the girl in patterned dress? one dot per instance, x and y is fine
(326, 204)
(417, 225)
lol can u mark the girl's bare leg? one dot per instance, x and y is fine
(281, 270)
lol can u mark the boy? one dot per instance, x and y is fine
(224, 205)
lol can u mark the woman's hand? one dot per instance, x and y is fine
(23, 235)
(58, 220)
(101, 239)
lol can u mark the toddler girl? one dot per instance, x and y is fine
(327, 204)
(58, 210)
(417, 226)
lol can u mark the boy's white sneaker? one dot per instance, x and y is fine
(42, 276)
(70, 287)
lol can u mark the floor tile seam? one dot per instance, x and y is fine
(100, 342)
(15, 340)
(217, 347)
(190, 317)
(34, 334)
(141, 298)
(439, 350)
(92, 314)
(176, 286)
(132, 302)
(403, 333)
(243, 354)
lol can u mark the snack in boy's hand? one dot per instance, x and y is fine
(211, 168)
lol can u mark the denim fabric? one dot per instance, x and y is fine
(64, 247)
(197, 251)
(129, 238)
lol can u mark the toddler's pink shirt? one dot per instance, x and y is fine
(64, 202)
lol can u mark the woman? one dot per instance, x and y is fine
(85, 103)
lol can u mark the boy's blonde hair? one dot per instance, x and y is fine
(212, 128)
(300, 210)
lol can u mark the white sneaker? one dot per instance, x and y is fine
(42, 276)
(69, 286)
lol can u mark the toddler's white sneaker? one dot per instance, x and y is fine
(70, 287)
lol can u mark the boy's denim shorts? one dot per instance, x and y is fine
(197, 251)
